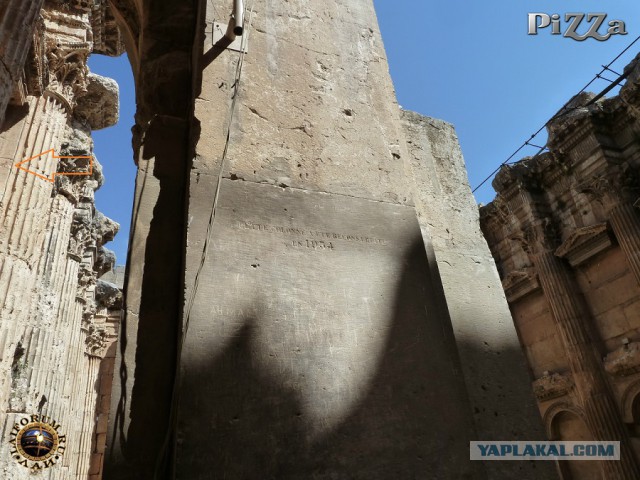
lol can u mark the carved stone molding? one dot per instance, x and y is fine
(552, 385)
(96, 339)
(538, 236)
(584, 243)
(565, 405)
(630, 91)
(520, 283)
(623, 361)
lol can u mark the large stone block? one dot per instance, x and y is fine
(315, 347)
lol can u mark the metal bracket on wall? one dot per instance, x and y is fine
(219, 38)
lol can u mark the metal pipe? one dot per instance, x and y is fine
(238, 17)
(236, 23)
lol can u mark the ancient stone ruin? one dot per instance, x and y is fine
(565, 232)
(308, 293)
(58, 320)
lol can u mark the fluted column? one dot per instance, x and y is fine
(616, 188)
(23, 235)
(572, 316)
(17, 23)
(625, 222)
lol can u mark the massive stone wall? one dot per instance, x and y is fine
(313, 316)
(57, 321)
(318, 342)
(564, 230)
(492, 363)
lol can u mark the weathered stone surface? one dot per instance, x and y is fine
(568, 216)
(306, 122)
(493, 365)
(100, 105)
(15, 40)
(108, 295)
(552, 385)
(317, 323)
(54, 332)
(624, 361)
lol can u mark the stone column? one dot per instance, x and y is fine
(617, 190)
(28, 201)
(17, 23)
(51, 253)
(625, 222)
(572, 316)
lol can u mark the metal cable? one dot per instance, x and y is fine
(563, 110)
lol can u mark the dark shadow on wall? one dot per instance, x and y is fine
(240, 421)
(14, 115)
(136, 450)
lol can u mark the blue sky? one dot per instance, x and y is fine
(470, 63)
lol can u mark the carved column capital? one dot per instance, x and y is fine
(68, 71)
(616, 186)
(539, 236)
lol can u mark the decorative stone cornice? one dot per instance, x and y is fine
(108, 295)
(623, 361)
(517, 175)
(99, 105)
(584, 243)
(571, 124)
(107, 39)
(630, 91)
(68, 32)
(520, 283)
(552, 385)
(497, 210)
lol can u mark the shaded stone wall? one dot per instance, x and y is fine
(56, 323)
(494, 368)
(314, 317)
(317, 342)
(564, 229)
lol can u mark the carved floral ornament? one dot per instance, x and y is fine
(502, 210)
(68, 70)
(96, 339)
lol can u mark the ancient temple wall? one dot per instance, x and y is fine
(310, 308)
(564, 231)
(539, 338)
(613, 296)
(51, 252)
(314, 316)
(17, 24)
(494, 367)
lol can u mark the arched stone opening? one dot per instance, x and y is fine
(568, 425)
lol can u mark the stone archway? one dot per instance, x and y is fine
(567, 424)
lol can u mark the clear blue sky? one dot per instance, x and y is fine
(470, 63)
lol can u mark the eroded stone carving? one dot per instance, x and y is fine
(552, 385)
(624, 361)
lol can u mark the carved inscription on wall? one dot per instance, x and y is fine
(308, 238)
